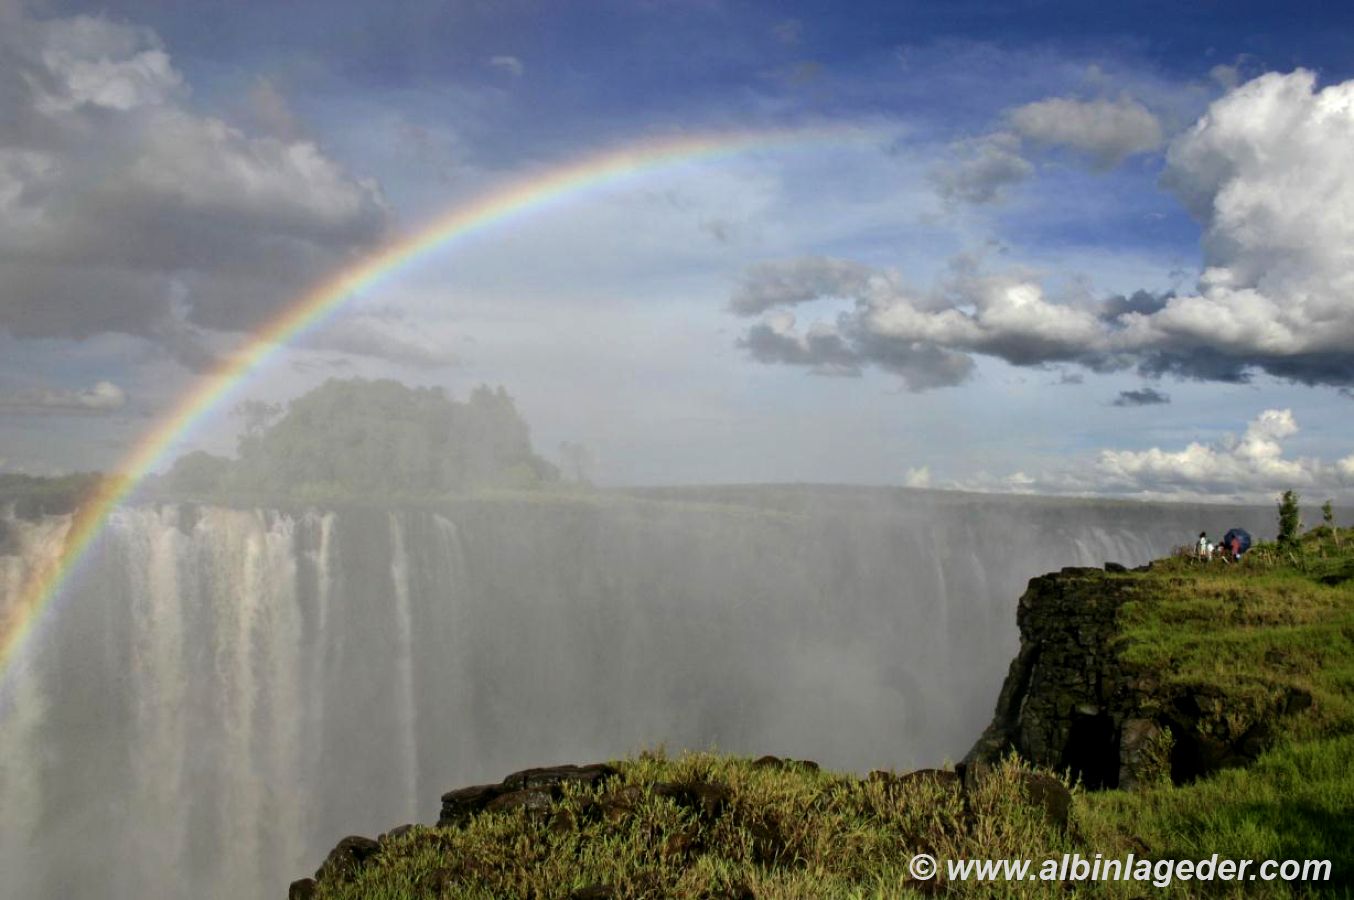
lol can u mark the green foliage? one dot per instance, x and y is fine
(1290, 519)
(199, 474)
(31, 496)
(1251, 633)
(1328, 514)
(785, 832)
(1293, 803)
(378, 440)
(1281, 620)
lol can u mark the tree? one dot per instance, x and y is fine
(577, 460)
(381, 438)
(1290, 519)
(199, 474)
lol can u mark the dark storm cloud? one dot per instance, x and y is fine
(1143, 397)
(170, 221)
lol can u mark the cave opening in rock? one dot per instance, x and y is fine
(1092, 751)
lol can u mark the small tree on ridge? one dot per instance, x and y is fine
(1290, 519)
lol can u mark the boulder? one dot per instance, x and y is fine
(348, 858)
(1050, 795)
(533, 800)
(459, 805)
(304, 889)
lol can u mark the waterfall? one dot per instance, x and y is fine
(219, 695)
(404, 663)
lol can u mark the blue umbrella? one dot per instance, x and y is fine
(1242, 537)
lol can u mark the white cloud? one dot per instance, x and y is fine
(768, 285)
(1255, 462)
(509, 64)
(124, 210)
(103, 397)
(1267, 173)
(1106, 131)
(1251, 468)
(982, 169)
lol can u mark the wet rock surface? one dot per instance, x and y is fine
(1071, 703)
(535, 790)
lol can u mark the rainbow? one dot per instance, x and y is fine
(312, 310)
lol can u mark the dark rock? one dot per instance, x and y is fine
(533, 800)
(704, 798)
(1049, 794)
(563, 822)
(939, 777)
(556, 776)
(348, 858)
(616, 806)
(304, 889)
(1115, 567)
(462, 803)
(1139, 744)
(709, 799)
(776, 762)
(1296, 701)
(395, 833)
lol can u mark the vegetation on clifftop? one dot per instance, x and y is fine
(355, 439)
(1279, 625)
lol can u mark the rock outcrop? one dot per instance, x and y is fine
(1071, 702)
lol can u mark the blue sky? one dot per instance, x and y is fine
(931, 303)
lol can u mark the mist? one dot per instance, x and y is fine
(224, 690)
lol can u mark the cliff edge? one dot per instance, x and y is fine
(1175, 712)
(1078, 699)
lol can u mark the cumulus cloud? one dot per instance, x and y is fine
(122, 209)
(103, 397)
(926, 339)
(1105, 131)
(982, 169)
(821, 348)
(1252, 467)
(509, 64)
(1265, 171)
(1143, 397)
(789, 282)
(1253, 462)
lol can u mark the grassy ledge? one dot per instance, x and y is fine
(1280, 622)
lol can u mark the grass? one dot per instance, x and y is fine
(1254, 634)
(786, 832)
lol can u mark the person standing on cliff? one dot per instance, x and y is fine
(1201, 549)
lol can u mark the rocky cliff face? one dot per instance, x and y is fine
(1071, 702)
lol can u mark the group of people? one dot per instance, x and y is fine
(1227, 551)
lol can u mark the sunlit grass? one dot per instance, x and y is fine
(1255, 633)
